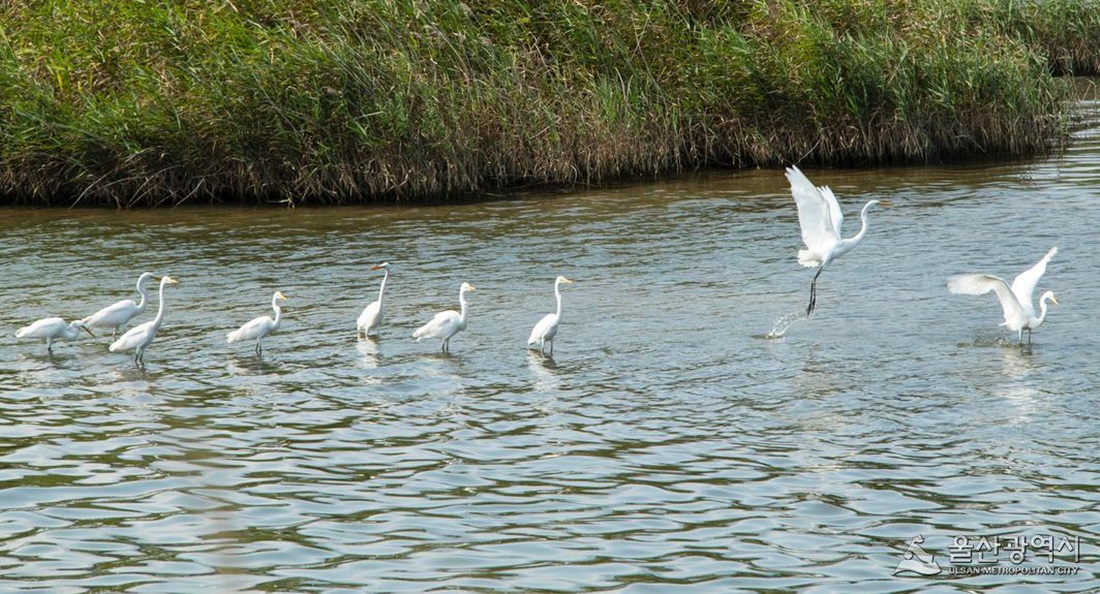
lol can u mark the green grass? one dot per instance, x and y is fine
(134, 103)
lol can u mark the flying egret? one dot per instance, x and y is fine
(141, 336)
(547, 328)
(118, 314)
(1015, 299)
(259, 327)
(446, 324)
(52, 329)
(820, 218)
(371, 317)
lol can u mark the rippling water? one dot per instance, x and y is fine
(692, 432)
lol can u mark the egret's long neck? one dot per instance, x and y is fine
(160, 308)
(144, 296)
(462, 303)
(557, 294)
(853, 241)
(862, 223)
(278, 312)
(1042, 309)
(382, 289)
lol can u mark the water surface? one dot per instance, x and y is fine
(691, 433)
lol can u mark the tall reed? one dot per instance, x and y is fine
(326, 101)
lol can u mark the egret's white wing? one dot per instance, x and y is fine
(255, 328)
(42, 328)
(1024, 284)
(543, 329)
(116, 314)
(979, 284)
(834, 209)
(134, 337)
(370, 317)
(818, 213)
(438, 326)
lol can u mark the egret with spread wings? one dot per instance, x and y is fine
(820, 218)
(1015, 298)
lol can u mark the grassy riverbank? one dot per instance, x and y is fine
(326, 101)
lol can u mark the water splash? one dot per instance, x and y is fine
(783, 323)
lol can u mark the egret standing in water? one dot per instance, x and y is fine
(259, 327)
(547, 328)
(446, 324)
(52, 329)
(820, 218)
(371, 317)
(118, 314)
(140, 337)
(1015, 299)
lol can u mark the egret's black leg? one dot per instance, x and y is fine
(813, 293)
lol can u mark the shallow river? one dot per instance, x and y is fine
(691, 433)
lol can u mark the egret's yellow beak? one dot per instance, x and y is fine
(1053, 300)
(885, 203)
(565, 280)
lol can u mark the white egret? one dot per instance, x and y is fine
(820, 218)
(52, 329)
(547, 328)
(118, 314)
(259, 327)
(1015, 299)
(446, 324)
(141, 336)
(371, 317)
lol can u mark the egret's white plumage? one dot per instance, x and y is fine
(820, 218)
(371, 317)
(141, 336)
(52, 329)
(547, 328)
(1015, 299)
(259, 327)
(118, 314)
(446, 324)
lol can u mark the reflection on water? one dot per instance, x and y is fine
(694, 431)
(545, 371)
(371, 352)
